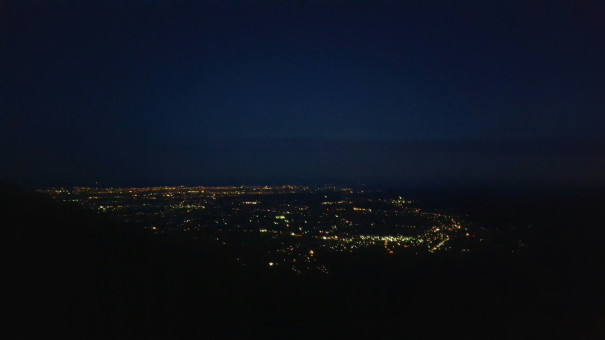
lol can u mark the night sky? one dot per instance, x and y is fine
(230, 92)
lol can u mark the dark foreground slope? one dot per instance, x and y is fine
(75, 274)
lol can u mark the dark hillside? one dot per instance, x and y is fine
(75, 274)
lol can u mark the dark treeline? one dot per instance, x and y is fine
(74, 273)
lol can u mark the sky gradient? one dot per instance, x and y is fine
(201, 93)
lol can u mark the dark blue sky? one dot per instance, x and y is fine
(259, 92)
